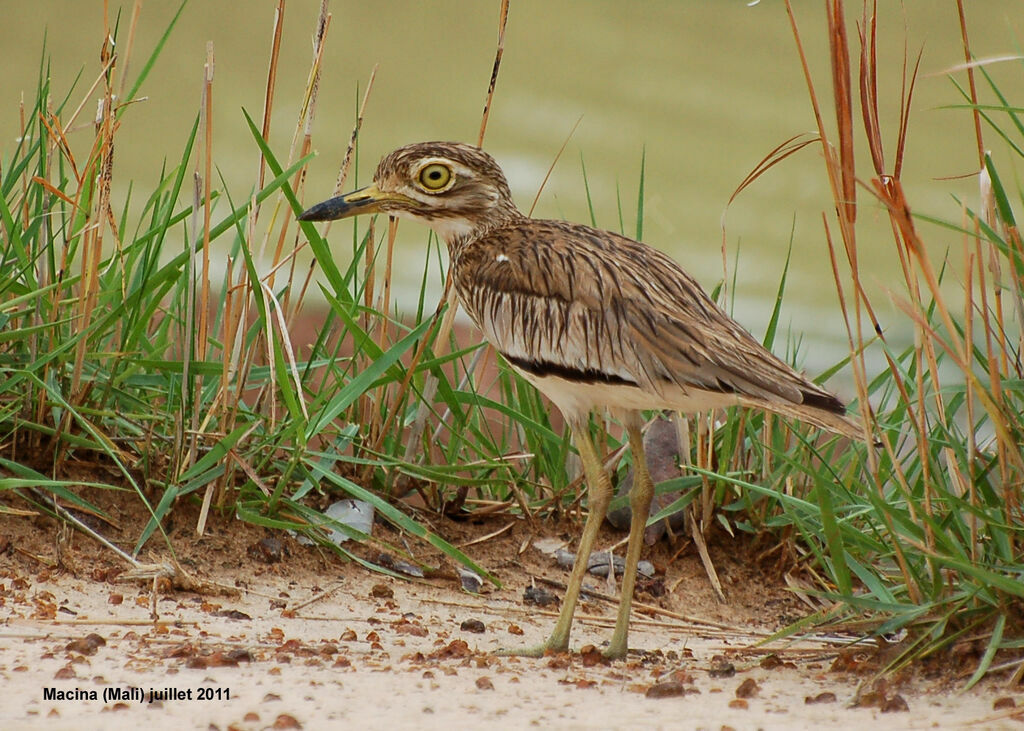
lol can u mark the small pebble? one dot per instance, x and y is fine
(825, 697)
(538, 596)
(86, 645)
(471, 582)
(668, 689)
(721, 668)
(747, 689)
(286, 721)
(268, 550)
(896, 704)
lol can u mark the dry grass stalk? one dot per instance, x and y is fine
(551, 167)
(100, 164)
(271, 85)
(202, 337)
(843, 105)
(502, 22)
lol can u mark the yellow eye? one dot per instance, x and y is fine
(435, 176)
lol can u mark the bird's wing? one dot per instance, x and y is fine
(592, 305)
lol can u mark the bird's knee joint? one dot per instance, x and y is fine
(640, 500)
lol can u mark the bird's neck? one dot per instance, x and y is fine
(458, 233)
(454, 230)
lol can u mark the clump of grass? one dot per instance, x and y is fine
(921, 537)
(119, 342)
(926, 534)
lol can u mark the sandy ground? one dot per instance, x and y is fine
(378, 653)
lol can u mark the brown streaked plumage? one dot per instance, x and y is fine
(591, 318)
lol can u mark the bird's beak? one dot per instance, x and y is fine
(370, 199)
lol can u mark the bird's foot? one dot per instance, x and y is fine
(551, 646)
(546, 648)
(618, 646)
(615, 653)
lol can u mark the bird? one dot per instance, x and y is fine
(594, 320)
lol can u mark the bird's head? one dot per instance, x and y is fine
(455, 189)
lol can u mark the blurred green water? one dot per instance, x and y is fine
(708, 88)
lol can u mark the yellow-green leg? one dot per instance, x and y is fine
(640, 502)
(599, 494)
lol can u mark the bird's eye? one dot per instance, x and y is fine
(435, 176)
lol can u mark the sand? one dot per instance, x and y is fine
(80, 649)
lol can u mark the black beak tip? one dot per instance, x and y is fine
(316, 213)
(332, 209)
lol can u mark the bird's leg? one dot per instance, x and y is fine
(599, 494)
(640, 502)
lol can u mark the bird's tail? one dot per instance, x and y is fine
(820, 418)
